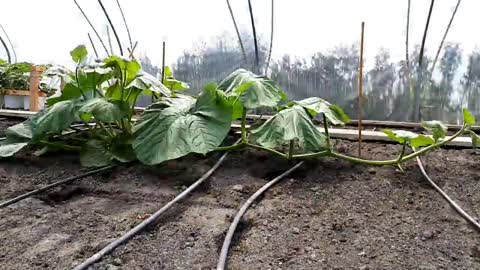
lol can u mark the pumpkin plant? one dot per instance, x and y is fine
(101, 95)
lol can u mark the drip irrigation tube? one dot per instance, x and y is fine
(56, 184)
(137, 229)
(222, 261)
(447, 198)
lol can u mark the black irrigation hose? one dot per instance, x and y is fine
(56, 184)
(222, 261)
(447, 198)
(145, 223)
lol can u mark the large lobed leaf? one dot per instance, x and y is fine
(316, 105)
(167, 132)
(412, 139)
(105, 110)
(55, 118)
(18, 136)
(292, 123)
(468, 118)
(252, 90)
(79, 53)
(171, 83)
(148, 84)
(437, 128)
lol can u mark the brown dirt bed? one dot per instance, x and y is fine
(326, 215)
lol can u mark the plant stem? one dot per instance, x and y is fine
(243, 129)
(78, 84)
(290, 149)
(312, 155)
(272, 151)
(231, 147)
(402, 153)
(104, 128)
(325, 126)
(397, 161)
(62, 146)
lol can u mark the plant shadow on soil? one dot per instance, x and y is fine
(328, 214)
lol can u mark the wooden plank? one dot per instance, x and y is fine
(336, 133)
(15, 113)
(375, 136)
(12, 92)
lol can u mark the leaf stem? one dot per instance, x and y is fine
(230, 147)
(402, 153)
(290, 149)
(325, 126)
(243, 129)
(312, 155)
(62, 146)
(272, 151)
(397, 161)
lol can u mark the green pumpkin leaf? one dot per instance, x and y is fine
(8, 149)
(55, 118)
(437, 128)
(79, 53)
(123, 68)
(475, 139)
(20, 131)
(252, 90)
(316, 105)
(148, 84)
(167, 132)
(94, 154)
(292, 123)
(106, 110)
(171, 83)
(468, 118)
(412, 139)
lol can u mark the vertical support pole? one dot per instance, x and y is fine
(35, 74)
(163, 63)
(360, 94)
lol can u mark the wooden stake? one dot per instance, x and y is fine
(35, 73)
(360, 94)
(163, 63)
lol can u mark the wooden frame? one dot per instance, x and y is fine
(34, 91)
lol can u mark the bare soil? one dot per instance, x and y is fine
(327, 215)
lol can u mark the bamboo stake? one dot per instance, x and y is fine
(93, 27)
(112, 26)
(416, 117)
(444, 37)
(255, 43)
(93, 45)
(126, 25)
(238, 32)
(360, 94)
(109, 39)
(271, 39)
(163, 62)
(132, 50)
